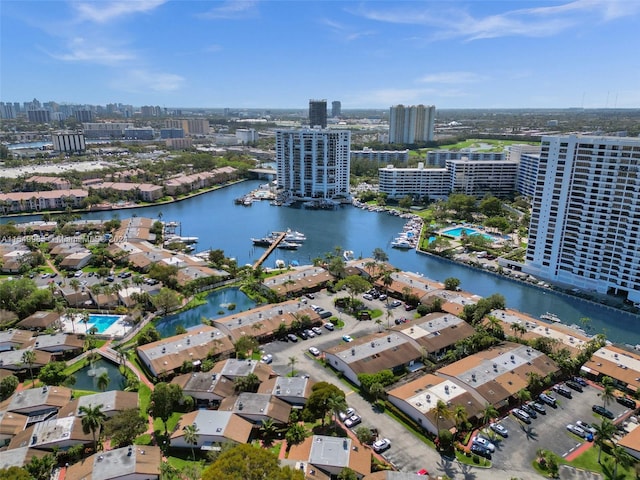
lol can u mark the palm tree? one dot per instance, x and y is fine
(85, 319)
(336, 403)
(441, 412)
(459, 416)
(607, 394)
(523, 395)
(604, 433)
(103, 381)
(267, 429)
(489, 412)
(29, 357)
(620, 457)
(191, 437)
(92, 421)
(292, 362)
(75, 284)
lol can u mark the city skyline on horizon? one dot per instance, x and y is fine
(258, 54)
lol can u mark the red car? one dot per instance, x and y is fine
(422, 472)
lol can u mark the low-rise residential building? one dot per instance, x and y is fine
(257, 407)
(57, 183)
(40, 321)
(14, 338)
(76, 261)
(214, 428)
(37, 401)
(233, 368)
(112, 402)
(59, 433)
(620, 365)
(372, 353)
(631, 442)
(418, 399)
(19, 457)
(165, 356)
(127, 463)
(322, 456)
(293, 390)
(307, 279)
(10, 424)
(58, 343)
(13, 202)
(13, 360)
(205, 387)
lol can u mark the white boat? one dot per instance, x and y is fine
(294, 236)
(288, 245)
(347, 255)
(550, 317)
(400, 243)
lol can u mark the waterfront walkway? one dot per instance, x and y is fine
(270, 249)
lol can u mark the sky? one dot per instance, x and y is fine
(279, 54)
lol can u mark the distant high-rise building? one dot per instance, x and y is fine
(411, 124)
(84, 116)
(318, 113)
(39, 116)
(336, 108)
(7, 111)
(313, 164)
(585, 220)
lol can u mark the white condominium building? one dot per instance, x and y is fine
(528, 157)
(483, 177)
(411, 123)
(420, 182)
(313, 163)
(585, 223)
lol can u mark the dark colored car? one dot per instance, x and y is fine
(600, 410)
(529, 409)
(580, 381)
(573, 385)
(562, 390)
(538, 407)
(303, 335)
(626, 401)
(480, 450)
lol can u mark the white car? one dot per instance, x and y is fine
(381, 445)
(329, 326)
(347, 338)
(349, 412)
(577, 430)
(268, 358)
(317, 330)
(314, 351)
(499, 429)
(352, 421)
(367, 296)
(585, 426)
(485, 443)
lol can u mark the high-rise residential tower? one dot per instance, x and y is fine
(411, 124)
(318, 113)
(313, 164)
(336, 108)
(585, 222)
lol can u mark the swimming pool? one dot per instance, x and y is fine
(103, 322)
(459, 231)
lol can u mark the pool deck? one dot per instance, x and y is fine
(118, 329)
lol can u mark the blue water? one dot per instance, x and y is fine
(219, 223)
(102, 322)
(217, 306)
(457, 232)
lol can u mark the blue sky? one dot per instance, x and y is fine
(279, 54)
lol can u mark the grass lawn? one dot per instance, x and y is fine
(180, 463)
(82, 393)
(144, 397)
(589, 461)
(171, 423)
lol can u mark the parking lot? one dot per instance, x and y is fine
(548, 431)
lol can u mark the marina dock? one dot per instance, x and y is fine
(270, 249)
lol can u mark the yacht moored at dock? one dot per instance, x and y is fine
(550, 317)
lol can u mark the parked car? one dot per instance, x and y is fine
(586, 426)
(303, 335)
(268, 358)
(408, 307)
(626, 401)
(325, 314)
(352, 421)
(349, 412)
(317, 330)
(499, 429)
(484, 442)
(562, 390)
(422, 471)
(314, 351)
(480, 450)
(548, 399)
(381, 445)
(522, 415)
(367, 296)
(573, 385)
(529, 409)
(600, 410)
(538, 407)
(292, 337)
(347, 338)
(329, 326)
(580, 381)
(310, 333)
(382, 297)
(311, 296)
(576, 430)
(395, 303)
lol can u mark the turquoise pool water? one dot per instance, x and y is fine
(458, 231)
(102, 322)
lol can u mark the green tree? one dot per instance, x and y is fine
(523, 395)
(460, 416)
(15, 473)
(8, 385)
(604, 433)
(607, 393)
(441, 412)
(53, 373)
(379, 255)
(347, 474)
(40, 468)
(451, 283)
(244, 345)
(364, 435)
(148, 335)
(103, 381)
(29, 358)
(191, 437)
(489, 413)
(245, 462)
(620, 457)
(335, 404)
(166, 299)
(296, 434)
(248, 383)
(292, 362)
(164, 399)
(318, 404)
(92, 421)
(124, 427)
(354, 284)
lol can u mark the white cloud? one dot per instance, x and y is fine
(346, 32)
(144, 81)
(81, 50)
(455, 22)
(103, 11)
(452, 77)
(232, 9)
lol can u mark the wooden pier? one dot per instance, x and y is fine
(270, 249)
